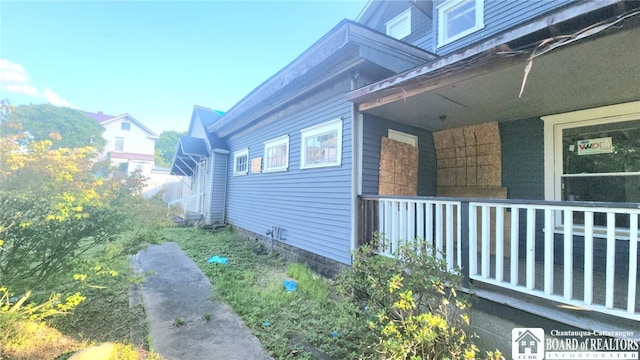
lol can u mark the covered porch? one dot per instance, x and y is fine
(519, 246)
(560, 223)
(189, 163)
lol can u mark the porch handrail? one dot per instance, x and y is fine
(494, 244)
(184, 200)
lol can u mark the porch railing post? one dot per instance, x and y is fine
(464, 240)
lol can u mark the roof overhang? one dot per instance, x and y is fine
(126, 117)
(190, 152)
(346, 47)
(455, 91)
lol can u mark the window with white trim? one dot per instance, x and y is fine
(276, 154)
(595, 155)
(321, 145)
(119, 144)
(400, 26)
(125, 126)
(241, 162)
(459, 18)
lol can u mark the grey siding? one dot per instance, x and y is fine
(312, 206)
(523, 158)
(499, 16)
(198, 131)
(523, 170)
(206, 189)
(219, 187)
(374, 128)
(421, 26)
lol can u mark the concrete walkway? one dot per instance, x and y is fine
(176, 296)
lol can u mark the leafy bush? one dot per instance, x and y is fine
(411, 300)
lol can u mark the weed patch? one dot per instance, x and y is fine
(301, 324)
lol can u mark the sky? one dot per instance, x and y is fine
(154, 59)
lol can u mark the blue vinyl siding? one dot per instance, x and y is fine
(421, 26)
(499, 16)
(523, 171)
(374, 128)
(523, 158)
(219, 189)
(312, 206)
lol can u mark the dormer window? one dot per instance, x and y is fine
(125, 126)
(459, 18)
(400, 26)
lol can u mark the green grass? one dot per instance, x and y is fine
(105, 315)
(287, 324)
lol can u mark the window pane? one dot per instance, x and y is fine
(461, 18)
(322, 148)
(241, 164)
(277, 156)
(604, 148)
(119, 145)
(602, 188)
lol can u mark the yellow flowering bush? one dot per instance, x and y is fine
(54, 207)
(412, 302)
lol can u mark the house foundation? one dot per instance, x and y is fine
(320, 264)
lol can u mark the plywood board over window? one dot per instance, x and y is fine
(398, 168)
(256, 165)
(470, 166)
(469, 156)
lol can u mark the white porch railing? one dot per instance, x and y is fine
(189, 204)
(532, 247)
(425, 219)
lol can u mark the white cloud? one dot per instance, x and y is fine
(54, 99)
(20, 89)
(11, 73)
(14, 79)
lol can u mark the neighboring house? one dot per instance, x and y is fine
(130, 147)
(130, 144)
(507, 133)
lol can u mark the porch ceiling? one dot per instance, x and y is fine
(595, 72)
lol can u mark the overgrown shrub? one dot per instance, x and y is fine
(412, 303)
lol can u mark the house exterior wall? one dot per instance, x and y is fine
(206, 181)
(136, 140)
(523, 158)
(373, 130)
(498, 16)
(311, 206)
(197, 131)
(216, 195)
(421, 27)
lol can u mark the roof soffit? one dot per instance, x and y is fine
(588, 74)
(496, 43)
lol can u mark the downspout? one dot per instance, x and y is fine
(356, 126)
